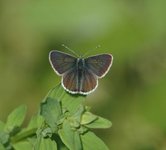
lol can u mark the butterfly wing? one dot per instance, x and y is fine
(83, 83)
(61, 62)
(70, 81)
(99, 64)
(89, 82)
(76, 80)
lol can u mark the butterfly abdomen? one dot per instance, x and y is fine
(80, 71)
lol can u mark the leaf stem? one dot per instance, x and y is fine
(23, 135)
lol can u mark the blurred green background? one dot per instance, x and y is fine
(132, 95)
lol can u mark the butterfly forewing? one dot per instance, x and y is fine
(99, 64)
(61, 62)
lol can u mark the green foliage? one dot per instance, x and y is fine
(63, 123)
(91, 141)
(15, 119)
(70, 137)
(24, 145)
(51, 111)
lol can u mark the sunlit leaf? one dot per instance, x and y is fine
(91, 142)
(78, 114)
(87, 118)
(47, 132)
(73, 122)
(83, 129)
(72, 102)
(35, 122)
(51, 111)
(45, 144)
(4, 137)
(23, 146)
(16, 118)
(99, 123)
(69, 101)
(70, 137)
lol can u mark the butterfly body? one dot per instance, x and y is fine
(80, 71)
(80, 75)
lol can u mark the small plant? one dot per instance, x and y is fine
(62, 123)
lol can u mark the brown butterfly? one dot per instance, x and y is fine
(80, 75)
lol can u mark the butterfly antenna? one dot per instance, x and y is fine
(70, 50)
(98, 46)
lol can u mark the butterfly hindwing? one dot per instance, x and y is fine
(61, 62)
(99, 64)
(89, 82)
(83, 82)
(70, 81)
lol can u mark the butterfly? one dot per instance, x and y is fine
(80, 75)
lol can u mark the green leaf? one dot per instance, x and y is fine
(73, 122)
(24, 134)
(69, 101)
(72, 102)
(91, 142)
(70, 137)
(76, 117)
(63, 148)
(82, 129)
(47, 132)
(35, 122)
(51, 111)
(46, 144)
(78, 114)
(4, 137)
(30, 131)
(32, 140)
(56, 92)
(60, 144)
(87, 118)
(99, 123)
(16, 118)
(23, 146)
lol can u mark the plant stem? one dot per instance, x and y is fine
(23, 135)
